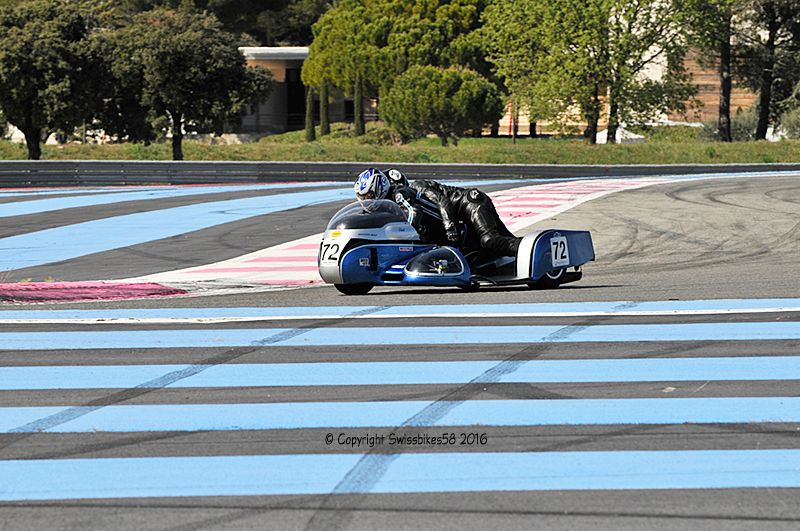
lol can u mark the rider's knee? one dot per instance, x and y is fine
(500, 244)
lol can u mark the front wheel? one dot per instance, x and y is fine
(471, 287)
(549, 280)
(353, 289)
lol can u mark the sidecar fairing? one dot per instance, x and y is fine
(371, 243)
(543, 260)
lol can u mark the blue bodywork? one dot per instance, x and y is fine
(388, 264)
(579, 249)
(372, 244)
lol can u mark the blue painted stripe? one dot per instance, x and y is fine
(254, 475)
(691, 176)
(134, 193)
(82, 377)
(191, 417)
(176, 476)
(24, 192)
(434, 335)
(423, 310)
(405, 373)
(107, 197)
(71, 241)
(454, 472)
(271, 416)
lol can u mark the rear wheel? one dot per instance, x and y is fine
(353, 289)
(549, 280)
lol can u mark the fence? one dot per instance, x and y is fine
(87, 173)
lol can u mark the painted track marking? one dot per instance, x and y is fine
(399, 470)
(518, 207)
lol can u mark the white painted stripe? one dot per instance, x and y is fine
(519, 310)
(444, 315)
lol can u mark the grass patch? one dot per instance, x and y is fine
(12, 151)
(664, 145)
(667, 134)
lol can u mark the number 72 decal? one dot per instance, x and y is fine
(329, 252)
(559, 251)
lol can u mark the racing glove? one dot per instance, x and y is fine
(453, 237)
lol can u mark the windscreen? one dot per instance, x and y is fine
(365, 214)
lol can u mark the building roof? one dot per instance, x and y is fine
(275, 53)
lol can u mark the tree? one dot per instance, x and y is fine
(349, 51)
(646, 34)
(444, 102)
(46, 69)
(124, 113)
(324, 122)
(557, 55)
(377, 40)
(790, 115)
(181, 67)
(285, 22)
(292, 24)
(98, 13)
(310, 132)
(554, 56)
(3, 125)
(358, 110)
(768, 46)
(712, 26)
(514, 56)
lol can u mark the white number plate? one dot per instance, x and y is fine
(560, 251)
(329, 252)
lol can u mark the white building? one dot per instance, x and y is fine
(286, 108)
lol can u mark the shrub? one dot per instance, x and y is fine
(790, 123)
(443, 102)
(666, 133)
(743, 128)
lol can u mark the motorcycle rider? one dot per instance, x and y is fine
(472, 206)
(393, 185)
(448, 205)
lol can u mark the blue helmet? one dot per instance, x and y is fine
(372, 184)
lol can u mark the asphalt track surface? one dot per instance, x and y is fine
(659, 392)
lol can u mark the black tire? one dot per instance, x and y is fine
(353, 289)
(471, 288)
(549, 280)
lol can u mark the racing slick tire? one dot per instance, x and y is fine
(471, 287)
(549, 280)
(353, 289)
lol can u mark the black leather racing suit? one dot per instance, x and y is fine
(422, 215)
(472, 206)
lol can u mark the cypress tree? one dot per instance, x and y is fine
(324, 124)
(310, 133)
(358, 106)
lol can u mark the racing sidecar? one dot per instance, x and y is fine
(370, 243)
